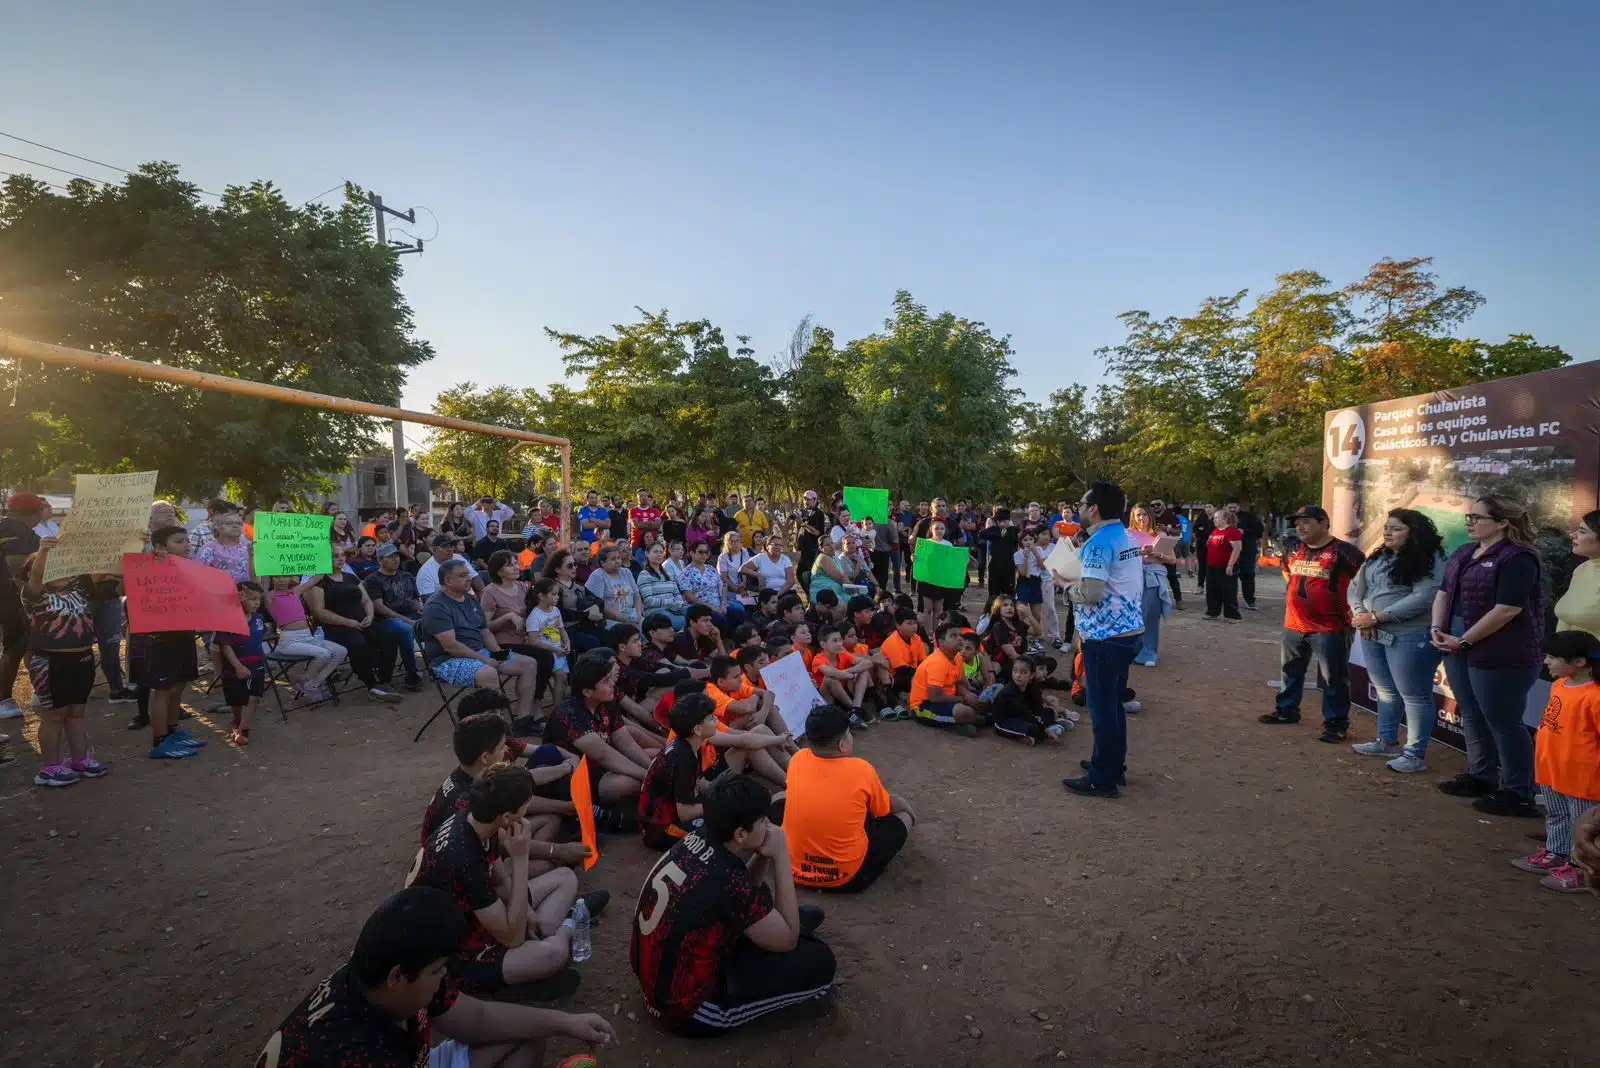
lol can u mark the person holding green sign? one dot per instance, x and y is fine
(941, 576)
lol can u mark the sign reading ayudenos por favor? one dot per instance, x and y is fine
(940, 565)
(110, 516)
(288, 543)
(867, 502)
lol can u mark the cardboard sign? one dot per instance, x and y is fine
(288, 543)
(1064, 558)
(794, 691)
(941, 565)
(110, 516)
(867, 502)
(583, 801)
(179, 594)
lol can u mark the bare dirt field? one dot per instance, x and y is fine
(1254, 898)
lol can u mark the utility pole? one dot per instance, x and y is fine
(402, 485)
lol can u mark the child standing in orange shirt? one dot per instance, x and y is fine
(1567, 756)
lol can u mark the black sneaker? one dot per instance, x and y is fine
(1332, 733)
(811, 917)
(967, 730)
(1089, 789)
(615, 820)
(1466, 786)
(856, 722)
(1508, 803)
(138, 723)
(122, 697)
(413, 685)
(1122, 780)
(1278, 718)
(1251, 608)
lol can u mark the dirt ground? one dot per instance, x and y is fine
(1255, 898)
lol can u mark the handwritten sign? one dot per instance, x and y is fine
(179, 594)
(867, 502)
(794, 691)
(583, 801)
(940, 565)
(110, 516)
(1064, 558)
(288, 543)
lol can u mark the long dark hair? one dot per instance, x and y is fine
(1414, 562)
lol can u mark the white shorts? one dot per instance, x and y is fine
(450, 1054)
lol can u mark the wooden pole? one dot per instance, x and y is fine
(14, 347)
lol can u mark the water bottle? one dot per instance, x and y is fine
(580, 932)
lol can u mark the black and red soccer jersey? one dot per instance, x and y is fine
(456, 861)
(337, 1027)
(1319, 580)
(570, 721)
(450, 798)
(695, 906)
(670, 781)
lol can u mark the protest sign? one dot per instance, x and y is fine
(110, 516)
(793, 689)
(1064, 558)
(940, 565)
(174, 593)
(867, 502)
(582, 800)
(288, 543)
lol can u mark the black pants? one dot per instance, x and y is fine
(1222, 593)
(886, 836)
(1177, 586)
(980, 557)
(1200, 566)
(361, 652)
(756, 982)
(880, 568)
(1247, 577)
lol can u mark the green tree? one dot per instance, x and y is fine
(1063, 446)
(474, 464)
(252, 287)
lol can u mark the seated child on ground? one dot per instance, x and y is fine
(840, 677)
(742, 707)
(1022, 711)
(581, 725)
(901, 653)
(940, 696)
(551, 768)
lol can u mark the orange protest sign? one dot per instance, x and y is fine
(583, 801)
(179, 594)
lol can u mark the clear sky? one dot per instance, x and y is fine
(1040, 167)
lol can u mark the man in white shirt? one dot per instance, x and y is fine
(442, 548)
(486, 509)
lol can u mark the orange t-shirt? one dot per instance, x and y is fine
(860, 651)
(722, 699)
(825, 816)
(1065, 529)
(1567, 750)
(807, 654)
(901, 653)
(370, 530)
(938, 670)
(820, 661)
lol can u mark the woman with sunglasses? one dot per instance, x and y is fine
(580, 610)
(1488, 621)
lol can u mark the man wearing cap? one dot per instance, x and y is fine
(396, 609)
(442, 547)
(17, 543)
(1316, 622)
(1164, 518)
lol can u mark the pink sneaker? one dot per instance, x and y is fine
(1540, 862)
(89, 767)
(1566, 879)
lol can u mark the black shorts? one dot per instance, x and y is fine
(950, 597)
(886, 836)
(13, 626)
(169, 660)
(479, 969)
(903, 677)
(237, 692)
(61, 680)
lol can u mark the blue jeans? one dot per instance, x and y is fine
(398, 633)
(1150, 606)
(730, 619)
(108, 636)
(1402, 675)
(1490, 703)
(1105, 676)
(1332, 652)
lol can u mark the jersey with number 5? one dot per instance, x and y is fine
(695, 905)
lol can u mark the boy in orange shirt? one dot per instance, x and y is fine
(839, 676)
(843, 827)
(742, 707)
(940, 696)
(1567, 756)
(898, 658)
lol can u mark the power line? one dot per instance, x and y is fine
(74, 155)
(48, 167)
(41, 181)
(64, 152)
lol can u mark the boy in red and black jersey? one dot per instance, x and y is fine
(479, 741)
(669, 803)
(377, 1010)
(718, 940)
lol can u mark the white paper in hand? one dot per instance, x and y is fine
(793, 689)
(1064, 558)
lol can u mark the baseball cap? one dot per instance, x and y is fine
(387, 549)
(25, 502)
(1311, 511)
(811, 495)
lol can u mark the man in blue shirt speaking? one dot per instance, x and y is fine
(1110, 623)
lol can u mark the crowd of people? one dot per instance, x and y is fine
(633, 645)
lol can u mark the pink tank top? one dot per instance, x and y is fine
(286, 608)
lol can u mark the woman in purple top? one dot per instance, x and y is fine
(1488, 620)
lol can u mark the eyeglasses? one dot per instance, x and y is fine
(1474, 517)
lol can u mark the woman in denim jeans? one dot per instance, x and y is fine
(1391, 600)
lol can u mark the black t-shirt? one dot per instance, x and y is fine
(817, 519)
(878, 628)
(398, 591)
(343, 597)
(570, 721)
(1014, 703)
(696, 904)
(16, 539)
(456, 861)
(619, 522)
(450, 798)
(726, 524)
(674, 530)
(1001, 633)
(1250, 526)
(1515, 580)
(670, 782)
(688, 647)
(337, 1027)
(60, 620)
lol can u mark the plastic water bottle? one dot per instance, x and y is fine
(580, 932)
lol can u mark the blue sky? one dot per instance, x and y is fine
(1041, 167)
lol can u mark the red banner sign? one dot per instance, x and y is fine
(179, 594)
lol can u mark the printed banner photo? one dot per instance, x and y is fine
(174, 593)
(288, 543)
(867, 502)
(110, 516)
(940, 565)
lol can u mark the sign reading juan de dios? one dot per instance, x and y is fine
(288, 543)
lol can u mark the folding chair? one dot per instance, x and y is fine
(278, 667)
(448, 692)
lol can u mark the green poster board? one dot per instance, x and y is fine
(941, 565)
(288, 543)
(867, 502)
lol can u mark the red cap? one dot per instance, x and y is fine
(25, 502)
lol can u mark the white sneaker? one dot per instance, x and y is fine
(9, 709)
(1406, 765)
(1377, 748)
